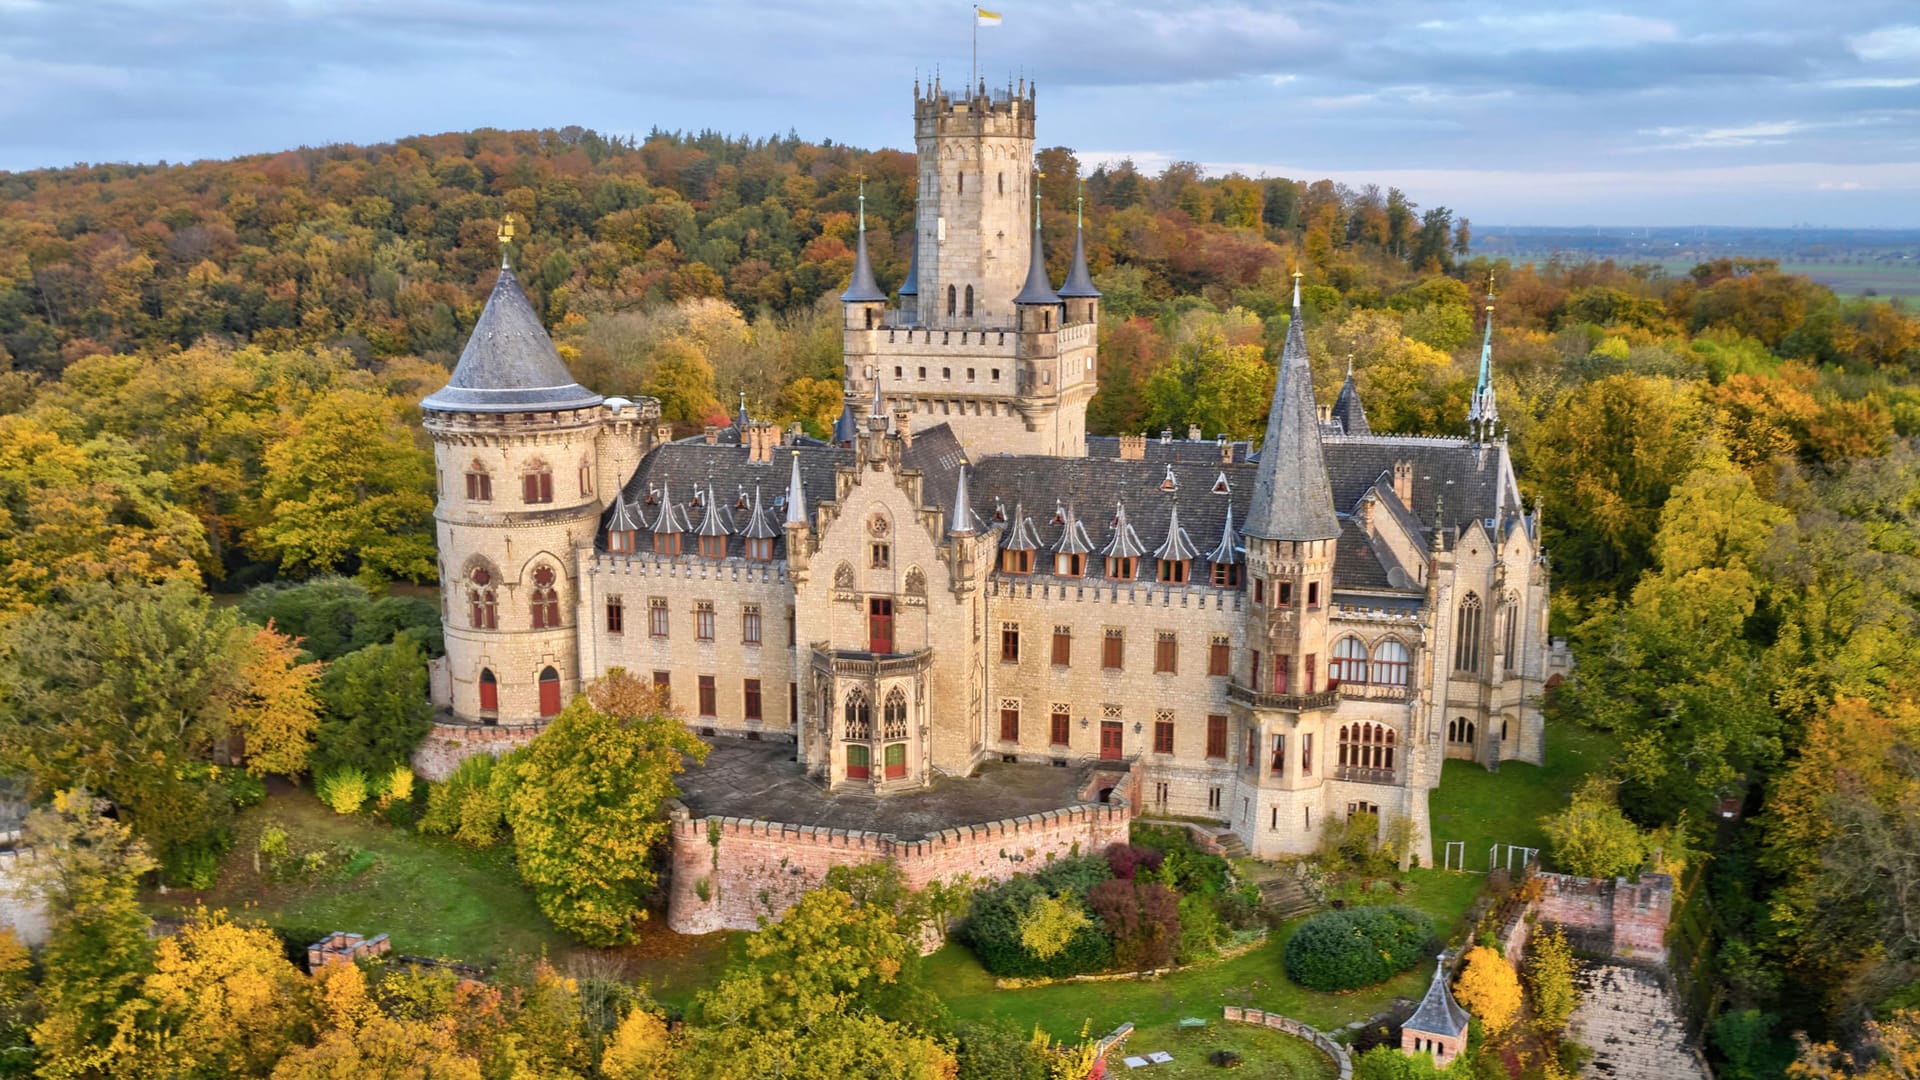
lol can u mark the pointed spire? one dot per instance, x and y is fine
(911, 286)
(960, 521)
(1292, 496)
(509, 363)
(1347, 408)
(845, 429)
(1125, 542)
(1483, 413)
(862, 289)
(760, 524)
(1228, 549)
(740, 422)
(878, 409)
(796, 497)
(1438, 1013)
(1079, 283)
(715, 522)
(1178, 546)
(1038, 289)
(1073, 536)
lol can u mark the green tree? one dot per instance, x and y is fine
(376, 708)
(1592, 837)
(1050, 922)
(346, 487)
(683, 381)
(586, 810)
(88, 869)
(1550, 970)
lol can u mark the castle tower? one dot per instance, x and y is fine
(518, 452)
(976, 159)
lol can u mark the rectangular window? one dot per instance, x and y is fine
(793, 704)
(750, 624)
(1163, 732)
(1059, 730)
(750, 695)
(663, 685)
(1306, 753)
(1016, 562)
(1309, 817)
(1216, 736)
(1218, 653)
(1009, 721)
(713, 547)
(479, 487)
(1166, 652)
(1273, 821)
(1253, 748)
(1160, 793)
(707, 696)
(1173, 571)
(536, 487)
(666, 543)
(760, 550)
(793, 631)
(1069, 564)
(703, 620)
(879, 555)
(1253, 670)
(586, 479)
(879, 625)
(1120, 567)
(1062, 645)
(1259, 590)
(1282, 672)
(657, 616)
(1313, 594)
(1113, 648)
(1226, 575)
(1283, 594)
(616, 621)
(1277, 762)
(1009, 642)
(1213, 798)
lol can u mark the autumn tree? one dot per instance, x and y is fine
(1891, 1052)
(826, 955)
(586, 811)
(1489, 989)
(1550, 971)
(279, 706)
(641, 1048)
(356, 1039)
(1592, 837)
(1049, 923)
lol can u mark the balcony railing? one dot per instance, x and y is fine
(1325, 699)
(866, 665)
(1372, 691)
(1366, 776)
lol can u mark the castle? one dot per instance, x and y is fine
(1274, 638)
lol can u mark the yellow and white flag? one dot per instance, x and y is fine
(985, 17)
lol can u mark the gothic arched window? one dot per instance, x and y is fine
(546, 599)
(953, 299)
(1466, 635)
(969, 301)
(1510, 615)
(1349, 661)
(859, 715)
(1390, 662)
(895, 716)
(482, 599)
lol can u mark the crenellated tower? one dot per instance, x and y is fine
(972, 212)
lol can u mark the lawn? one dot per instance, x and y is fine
(1485, 808)
(1265, 1054)
(432, 896)
(1255, 980)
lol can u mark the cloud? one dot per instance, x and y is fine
(1888, 43)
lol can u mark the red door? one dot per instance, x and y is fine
(880, 626)
(1313, 662)
(549, 693)
(489, 691)
(1110, 740)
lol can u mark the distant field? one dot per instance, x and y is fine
(1886, 280)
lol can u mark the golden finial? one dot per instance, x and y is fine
(506, 238)
(1489, 290)
(1297, 275)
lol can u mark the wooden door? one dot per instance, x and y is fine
(896, 761)
(880, 626)
(1110, 740)
(549, 693)
(489, 692)
(857, 758)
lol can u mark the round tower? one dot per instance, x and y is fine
(517, 451)
(972, 219)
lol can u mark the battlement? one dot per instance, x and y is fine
(937, 98)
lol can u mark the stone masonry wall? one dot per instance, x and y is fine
(727, 873)
(448, 744)
(1622, 919)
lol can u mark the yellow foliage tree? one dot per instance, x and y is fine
(641, 1049)
(278, 707)
(1896, 1053)
(357, 1040)
(1489, 989)
(222, 1000)
(1049, 924)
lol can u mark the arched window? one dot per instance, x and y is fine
(482, 599)
(1003, 183)
(969, 301)
(1510, 614)
(1460, 731)
(546, 599)
(489, 691)
(549, 693)
(953, 299)
(536, 484)
(479, 482)
(895, 717)
(1349, 661)
(586, 477)
(859, 715)
(1466, 635)
(1390, 661)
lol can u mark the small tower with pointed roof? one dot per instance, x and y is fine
(1037, 307)
(1078, 293)
(1483, 414)
(526, 461)
(1439, 1025)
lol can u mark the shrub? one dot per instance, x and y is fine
(1201, 930)
(442, 817)
(1143, 918)
(399, 786)
(377, 710)
(344, 788)
(1346, 950)
(244, 788)
(195, 864)
(993, 926)
(1049, 923)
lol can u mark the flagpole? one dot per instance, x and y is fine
(974, 75)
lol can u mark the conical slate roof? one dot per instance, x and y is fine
(716, 522)
(1178, 546)
(911, 286)
(1073, 536)
(1348, 410)
(760, 523)
(845, 430)
(796, 496)
(863, 289)
(626, 516)
(1125, 542)
(962, 523)
(1482, 410)
(1079, 282)
(1438, 1013)
(672, 517)
(1292, 498)
(1228, 549)
(1038, 290)
(1020, 535)
(509, 364)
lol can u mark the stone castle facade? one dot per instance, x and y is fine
(1274, 638)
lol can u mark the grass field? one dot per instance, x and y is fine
(1483, 808)
(1156, 1005)
(1265, 1054)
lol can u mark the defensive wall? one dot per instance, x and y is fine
(451, 742)
(729, 872)
(1620, 919)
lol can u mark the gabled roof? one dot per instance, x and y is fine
(1438, 1013)
(509, 363)
(1291, 496)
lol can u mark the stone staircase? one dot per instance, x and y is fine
(1282, 895)
(1632, 1025)
(1231, 845)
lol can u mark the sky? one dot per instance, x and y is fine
(1517, 112)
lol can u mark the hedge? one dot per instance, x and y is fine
(1346, 950)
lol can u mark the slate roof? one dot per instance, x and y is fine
(1473, 480)
(1438, 1013)
(672, 473)
(1348, 412)
(509, 363)
(1290, 489)
(862, 289)
(1079, 282)
(1174, 450)
(1037, 290)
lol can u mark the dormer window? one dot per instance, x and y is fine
(621, 541)
(1226, 575)
(666, 543)
(1173, 571)
(479, 483)
(760, 550)
(713, 547)
(536, 485)
(1016, 562)
(1068, 564)
(1121, 567)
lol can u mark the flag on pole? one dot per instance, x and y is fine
(987, 18)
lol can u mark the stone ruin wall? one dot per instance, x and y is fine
(761, 868)
(1622, 919)
(448, 744)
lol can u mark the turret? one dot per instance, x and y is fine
(1082, 299)
(1347, 410)
(864, 303)
(1482, 413)
(1037, 308)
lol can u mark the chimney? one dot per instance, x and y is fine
(902, 425)
(663, 434)
(1193, 432)
(712, 435)
(1403, 482)
(1133, 448)
(1226, 451)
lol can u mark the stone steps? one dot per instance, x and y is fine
(1632, 1025)
(1285, 897)
(1231, 845)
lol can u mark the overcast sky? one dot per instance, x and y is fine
(1775, 112)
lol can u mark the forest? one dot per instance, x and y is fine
(212, 373)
